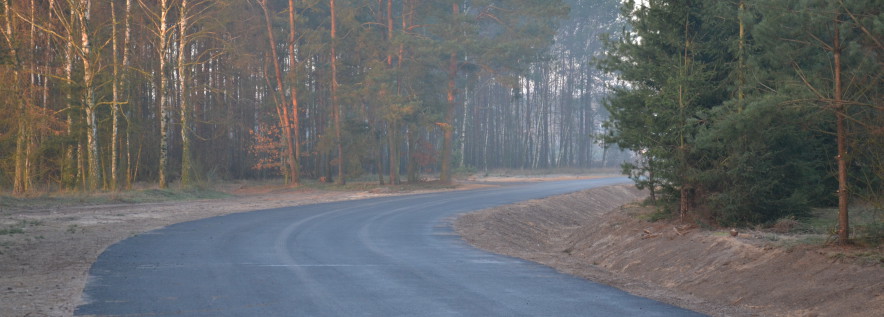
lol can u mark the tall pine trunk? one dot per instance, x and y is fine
(741, 60)
(448, 124)
(394, 126)
(393, 140)
(282, 111)
(19, 181)
(293, 88)
(684, 186)
(336, 108)
(840, 114)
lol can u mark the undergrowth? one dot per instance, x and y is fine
(866, 225)
(819, 228)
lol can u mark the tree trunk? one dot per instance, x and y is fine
(528, 138)
(293, 88)
(684, 203)
(19, 181)
(412, 170)
(130, 175)
(284, 118)
(840, 114)
(69, 166)
(280, 114)
(115, 104)
(448, 124)
(463, 127)
(393, 126)
(186, 156)
(336, 109)
(29, 103)
(81, 162)
(379, 162)
(393, 136)
(88, 77)
(165, 112)
(390, 31)
(741, 63)
(652, 182)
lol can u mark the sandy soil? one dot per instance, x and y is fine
(594, 235)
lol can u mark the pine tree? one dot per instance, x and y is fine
(823, 48)
(668, 60)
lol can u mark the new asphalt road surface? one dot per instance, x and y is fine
(392, 256)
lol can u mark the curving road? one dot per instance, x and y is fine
(393, 256)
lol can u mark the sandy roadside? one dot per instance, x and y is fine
(587, 234)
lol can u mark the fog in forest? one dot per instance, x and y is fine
(105, 94)
(749, 110)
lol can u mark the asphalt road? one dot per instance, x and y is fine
(393, 256)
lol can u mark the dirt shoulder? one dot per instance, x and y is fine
(593, 235)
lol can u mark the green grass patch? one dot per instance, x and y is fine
(656, 215)
(866, 224)
(19, 228)
(821, 228)
(73, 228)
(871, 234)
(11, 230)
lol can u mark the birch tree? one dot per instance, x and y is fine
(184, 108)
(162, 32)
(115, 104)
(83, 10)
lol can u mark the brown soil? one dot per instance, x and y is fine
(594, 235)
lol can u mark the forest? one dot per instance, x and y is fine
(102, 94)
(738, 111)
(746, 112)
